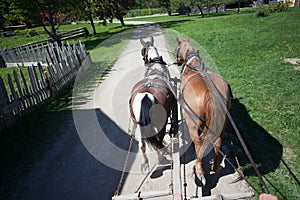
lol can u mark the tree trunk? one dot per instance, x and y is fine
(92, 23)
(53, 33)
(88, 5)
(169, 12)
(201, 10)
(122, 20)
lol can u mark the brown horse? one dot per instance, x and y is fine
(151, 101)
(202, 94)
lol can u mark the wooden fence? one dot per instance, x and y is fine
(22, 92)
(35, 52)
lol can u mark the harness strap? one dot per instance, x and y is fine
(148, 84)
(157, 60)
(190, 112)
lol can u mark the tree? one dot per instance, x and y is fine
(10, 13)
(90, 15)
(200, 5)
(167, 5)
(108, 9)
(51, 13)
(4, 5)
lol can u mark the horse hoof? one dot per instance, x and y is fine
(145, 168)
(200, 181)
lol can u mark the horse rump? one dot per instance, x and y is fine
(149, 129)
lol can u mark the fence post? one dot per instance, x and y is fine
(48, 83)
(21, 95)
(5, 111)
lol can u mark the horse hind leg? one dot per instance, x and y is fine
(200, 179)
(215, 165)
(145, 164)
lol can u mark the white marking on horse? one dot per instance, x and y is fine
(137, 103)
(152, 53)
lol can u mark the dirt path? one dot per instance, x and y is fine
(86, 162)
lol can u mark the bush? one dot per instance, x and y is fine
(30, 33)
(17, 32)
(263, 10)
(279, 7)
(143, 12)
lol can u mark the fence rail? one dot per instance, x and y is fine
(24, 92)
(36, 51)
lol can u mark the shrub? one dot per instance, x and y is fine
(143, 12)
(17, 32)
(30, 33)
(263, 10)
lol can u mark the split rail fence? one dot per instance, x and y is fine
(50, 72)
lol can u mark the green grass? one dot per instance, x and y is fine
(20, 39)
(249, 53)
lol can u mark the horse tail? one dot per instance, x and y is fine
(146, 103)
(216, 117)
(148, 129)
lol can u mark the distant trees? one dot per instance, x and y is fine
(109, 9)
(200, 4)
(52, 13)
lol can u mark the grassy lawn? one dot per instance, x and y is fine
(249, 53)
(21, 38)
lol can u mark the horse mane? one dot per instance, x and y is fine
(187, 48)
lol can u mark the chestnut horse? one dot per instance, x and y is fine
(202, 93)
(151, 101)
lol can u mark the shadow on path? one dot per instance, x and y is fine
(69, 171)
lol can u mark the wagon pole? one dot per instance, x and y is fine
(238, 134)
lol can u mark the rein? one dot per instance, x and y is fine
(198, 68)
